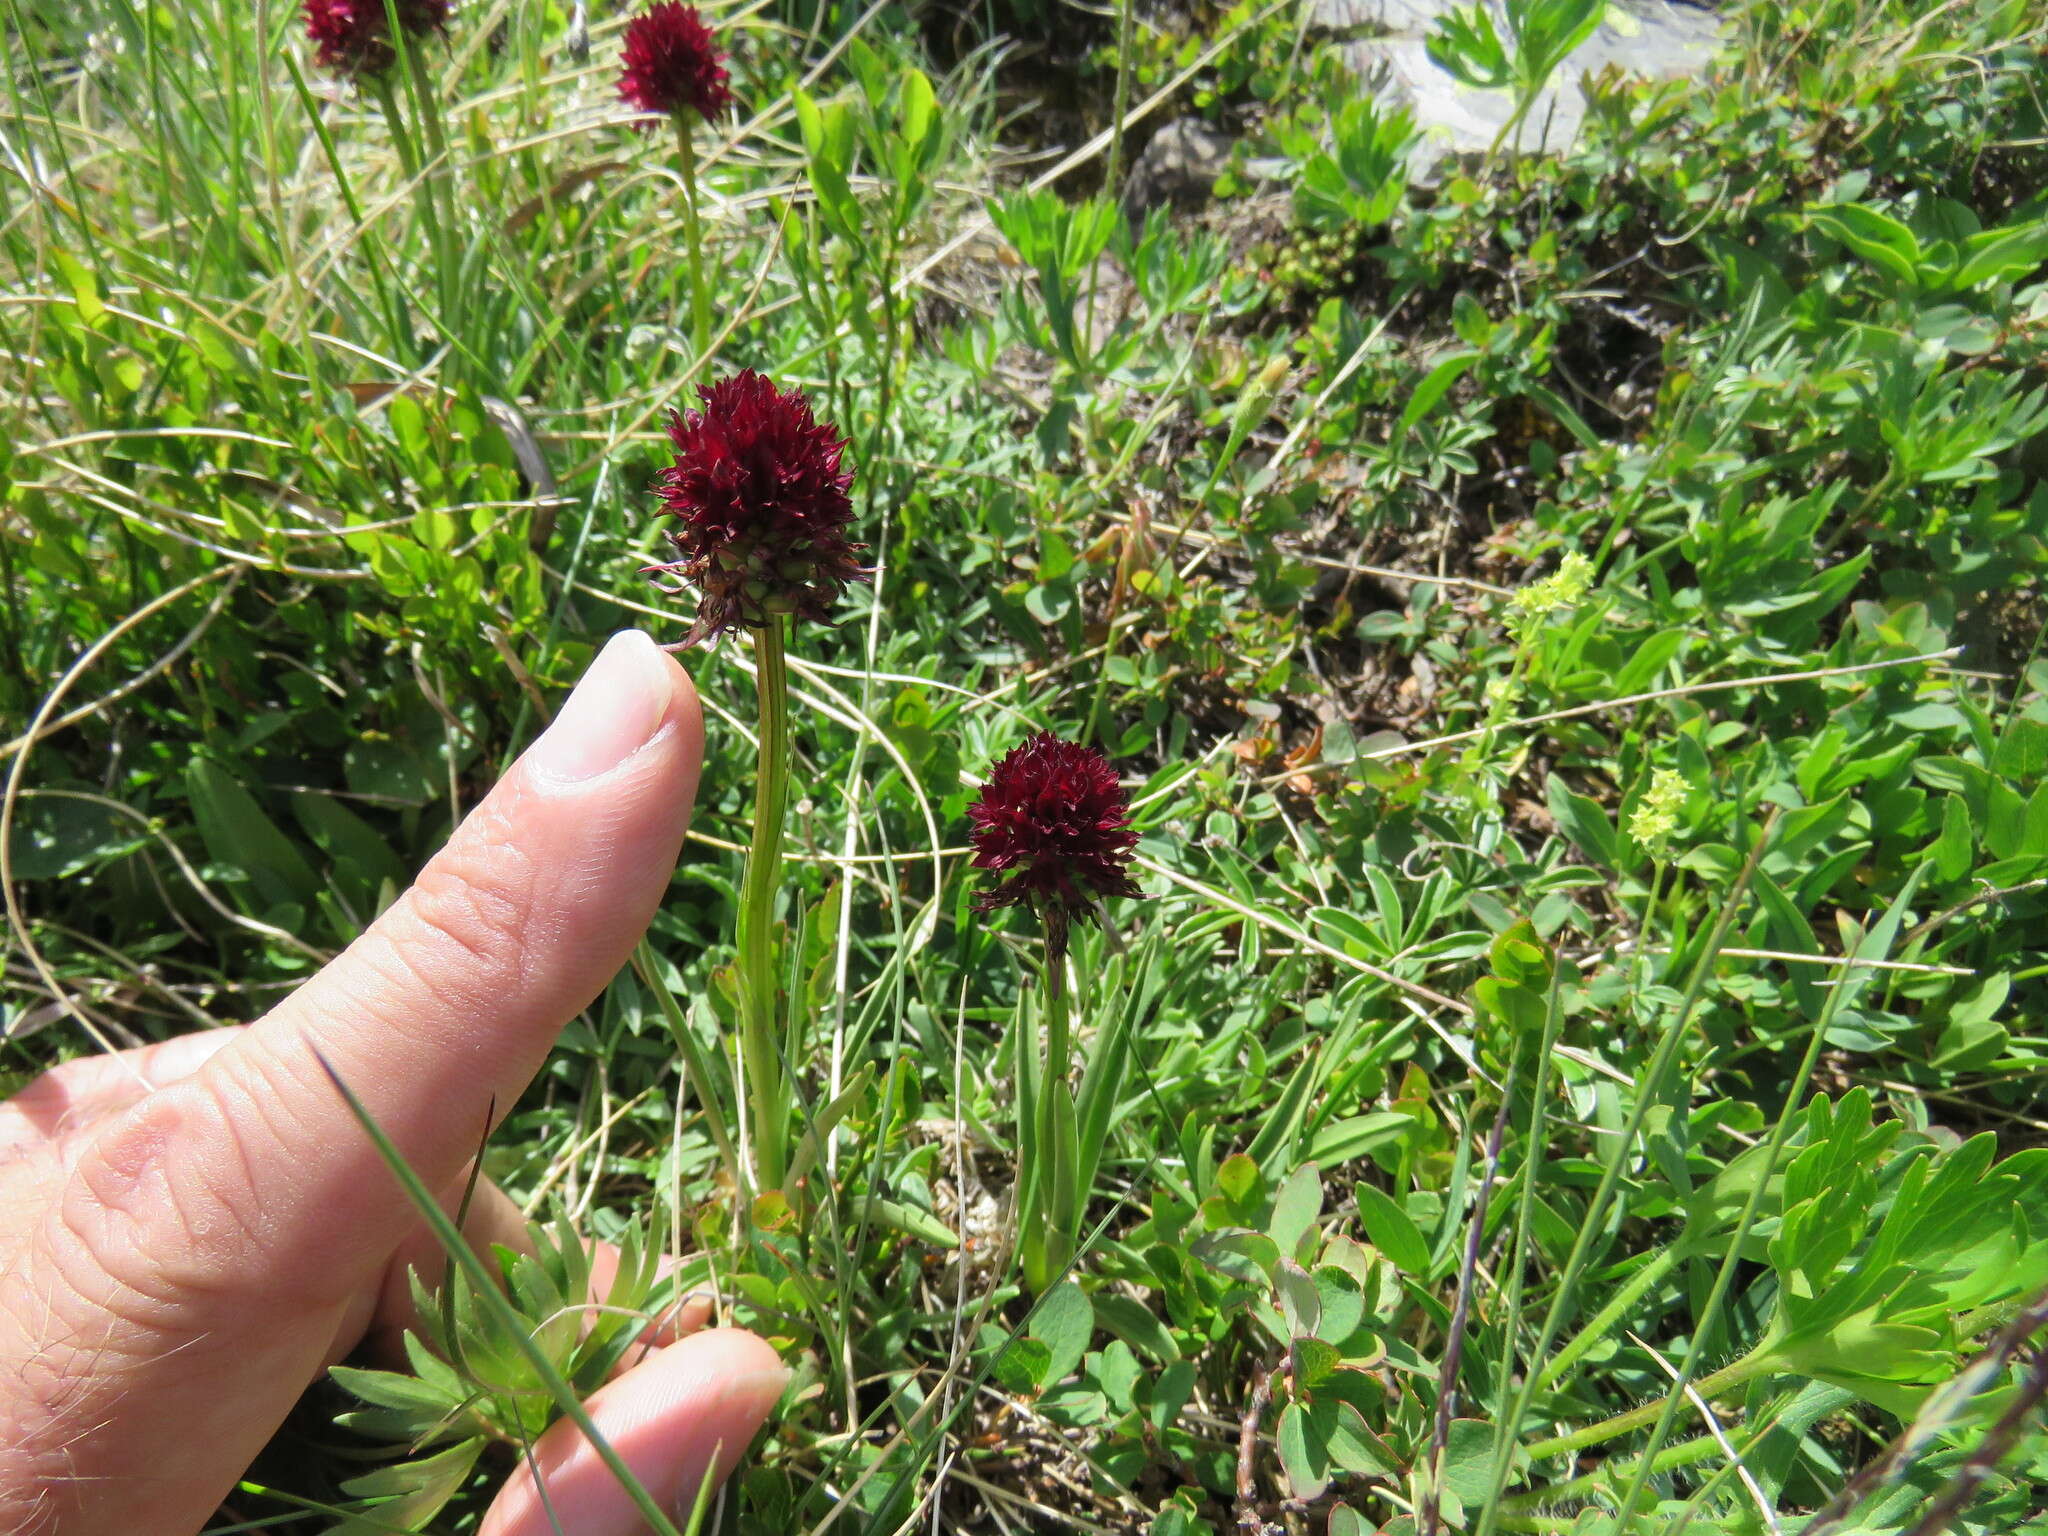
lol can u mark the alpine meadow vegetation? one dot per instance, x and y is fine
(1373, 854)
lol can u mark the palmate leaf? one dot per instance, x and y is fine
(472, 1271)
(409, 1494)
(1467, 44)
(1955, 1234)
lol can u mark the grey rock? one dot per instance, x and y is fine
(1377, 16)
(1652, 38)
(1179, 166)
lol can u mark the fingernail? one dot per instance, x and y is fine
(620, 703)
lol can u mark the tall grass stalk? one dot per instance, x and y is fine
(512, 1326)
(1649, 1089)
(1710, 1310)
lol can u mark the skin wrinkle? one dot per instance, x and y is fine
(229, 1176)
(252, 1092)
(486, 911)
(91, 1382)
(392, 1002)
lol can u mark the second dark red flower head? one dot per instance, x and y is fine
(1054, 824)
(672, 65)
(353, 37)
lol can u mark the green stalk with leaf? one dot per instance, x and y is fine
(761, 500)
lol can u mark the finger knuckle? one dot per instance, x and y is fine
(162, 1204)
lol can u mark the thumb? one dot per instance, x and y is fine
(219, 1233)
(447, 1004)
(685, 1415)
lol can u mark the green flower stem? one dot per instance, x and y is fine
(1058, 1018)
(424, 176)
(1609, 1316)
(1758, 1362)
(760, 1044)
(693, 235)
(1120, 108)
(1641, 958)
(401, 137)
(1052, 1207)
(435, 165)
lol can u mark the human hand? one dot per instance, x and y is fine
(191, 1232)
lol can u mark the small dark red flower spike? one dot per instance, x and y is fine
(1054, 822)
(354, 36)
(760, 497)
(671, 64)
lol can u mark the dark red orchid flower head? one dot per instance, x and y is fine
(1055, 824)
(760, 497)
(671, 65)
(354, 36)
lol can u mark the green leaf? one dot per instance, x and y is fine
(1274, 1144)
(1973, 1038)
(1877, 237)
(1342, 1301)
(2009, 251)
(912, 1222)
(1468, 1461)
(1304, 1453)
(411, 1492)
(917, 108)
(1353, 1445)
(1954, 850)
(1392, 1232)
(1295, 1207)
(1466, 44)
(1434, 386)
(1315, 1363)
(1134, 1323)
(1024, 1367)
(1585, 824)
(238, 834)
(1342, 1140)
(85, 288)
(1567, 418)
(1301, 1304)
(395, 1389)
(340, 833)
(828, 148)
(1646, 660)
(1238, 1180)
(1063, 1322)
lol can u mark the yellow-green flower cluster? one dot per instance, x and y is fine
(1655, 817)
(1560, 592)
